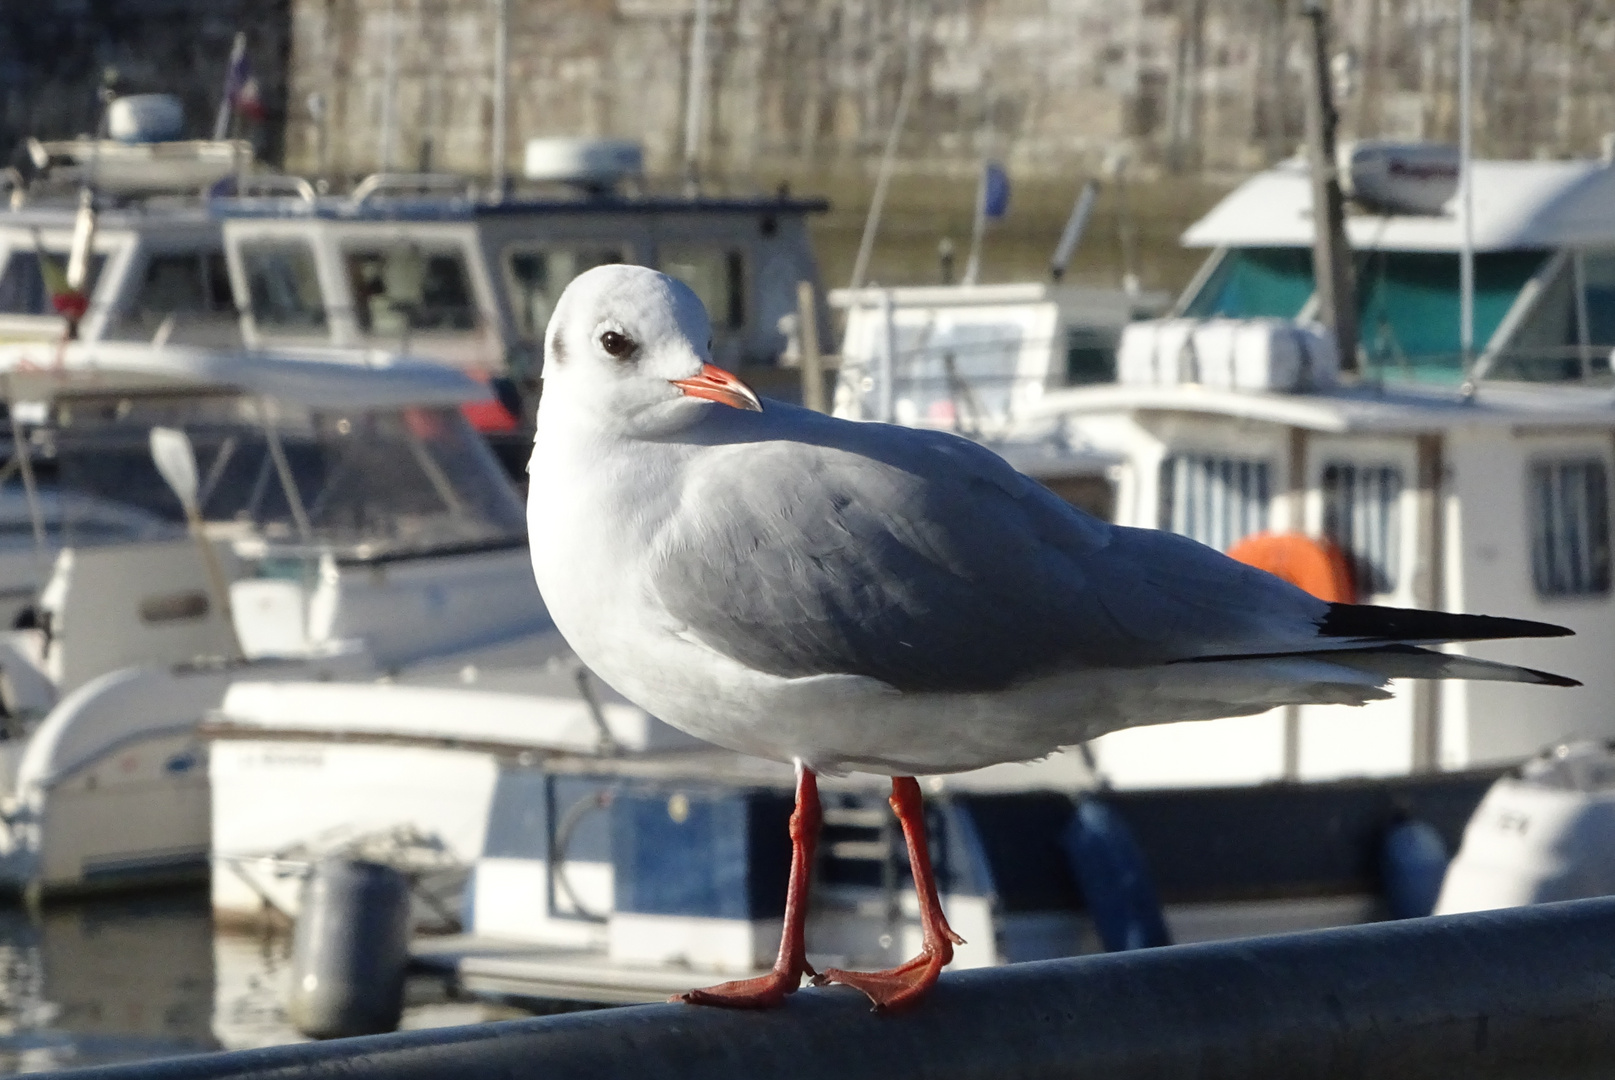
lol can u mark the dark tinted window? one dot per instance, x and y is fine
(1570, 528)
(283, 286)
(190, 291)
(405, 288)
(718, 276)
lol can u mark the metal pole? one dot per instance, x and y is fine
(386, 136)
(888, 158)
(501, 95)
(221, 120)
(978, 228)
(1075, 226)
(1331, 255)
(694, 99)
(1466, 201)
(24, 455)
(1496, 995)
(807, 323)
(888, 358)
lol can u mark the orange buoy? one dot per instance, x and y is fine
(1313, 564)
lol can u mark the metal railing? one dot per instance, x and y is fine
(1526, 992)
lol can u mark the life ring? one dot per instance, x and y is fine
(1313, 564)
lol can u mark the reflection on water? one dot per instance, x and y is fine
(98, 982)
(102, 981)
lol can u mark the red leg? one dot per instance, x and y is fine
(902, 986)
(768, 991)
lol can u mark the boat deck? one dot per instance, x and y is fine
(491, 967)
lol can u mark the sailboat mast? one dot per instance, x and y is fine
(1466, 195)
(1331, 257)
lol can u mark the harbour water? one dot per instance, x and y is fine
(102, 981)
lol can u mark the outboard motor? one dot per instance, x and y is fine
(1545, 834)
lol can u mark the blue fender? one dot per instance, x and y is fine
(1110, 869)
(1412, 861)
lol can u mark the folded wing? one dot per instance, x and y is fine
(923, 560)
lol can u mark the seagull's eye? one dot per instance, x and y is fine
(615, 344)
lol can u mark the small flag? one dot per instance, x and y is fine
(242, 96)
(995, 190)
(70, 303)
(248, 101)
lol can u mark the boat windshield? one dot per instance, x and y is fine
(1408, 301)
(1252, 282)
(361, 483)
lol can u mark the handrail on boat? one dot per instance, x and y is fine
(1517, 993)
(385, 183)
(276, 184)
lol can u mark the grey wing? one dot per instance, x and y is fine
(926, 562)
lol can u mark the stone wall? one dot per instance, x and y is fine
(1193, 87)
(1212, 87)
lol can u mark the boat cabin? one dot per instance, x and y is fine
(474, 283)
(153, 274)
(1543, 234)
(419, 264)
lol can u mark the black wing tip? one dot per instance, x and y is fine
(1414, 624)
(1548, 678)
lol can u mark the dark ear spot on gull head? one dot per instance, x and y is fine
(557, 350)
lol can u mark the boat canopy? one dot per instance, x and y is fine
(317, 378)
(1544, 282)
(1518, 205)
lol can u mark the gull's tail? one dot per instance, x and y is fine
(1383, 642)
(1412, 662)
(1392, 631)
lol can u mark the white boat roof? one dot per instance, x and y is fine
(956, 296)
(318, 378)
(1363, 409)
(152, 217)
(556, 718)
(1518, 204)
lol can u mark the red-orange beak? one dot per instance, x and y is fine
(716, 384)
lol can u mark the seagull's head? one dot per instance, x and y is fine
(633, 348)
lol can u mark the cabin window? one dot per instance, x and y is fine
(1570, 528)
(1251, 282)
(406, 289)
(283, 287)
(1090, 355)
(23, 290)
(537, 278)
(1215, 500)
(1408, 307)
(1598, 287)
(190, 292)
(956, 375)
(718, 277)
(1361, 505)
(1572, 324)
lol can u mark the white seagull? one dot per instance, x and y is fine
(856, 596)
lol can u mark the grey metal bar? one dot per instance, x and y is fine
(1528, 992)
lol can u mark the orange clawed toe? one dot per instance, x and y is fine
(894, 988)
